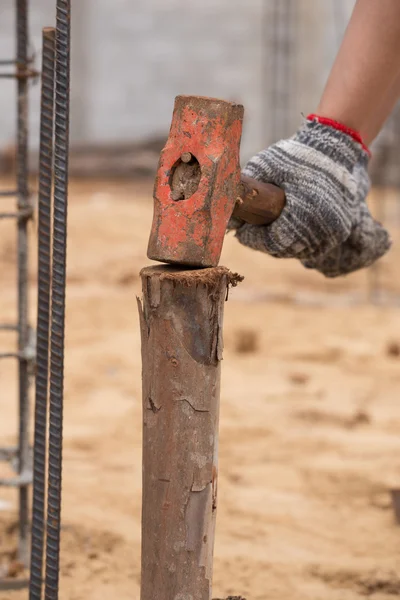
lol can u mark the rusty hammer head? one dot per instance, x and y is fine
(199, 186)
(197, 182)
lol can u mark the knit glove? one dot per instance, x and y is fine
(315, 169)
(368, 240)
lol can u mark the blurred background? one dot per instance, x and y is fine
(131, 57)
(310, 425)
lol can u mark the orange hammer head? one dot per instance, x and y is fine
(197, 182)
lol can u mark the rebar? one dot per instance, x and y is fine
(21, 480)
(279, 56)
(21, 74)
(61, 147)
(9, 355)
(7, 454)
(9, 193)
(6, 327)
(11, 62)
(23, 204)
(43, 313)
(21, 215)
(26, 354)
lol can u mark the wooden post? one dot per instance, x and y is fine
(181, 329)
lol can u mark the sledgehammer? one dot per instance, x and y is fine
(199, 185)
(197, 189)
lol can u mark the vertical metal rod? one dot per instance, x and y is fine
(43, 313)
(339, 19)
(61, 147)
(291, 20)
(281, 76)
(266, 72)
(23, 329)
(274, 50)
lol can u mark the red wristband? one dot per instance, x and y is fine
(340, 127)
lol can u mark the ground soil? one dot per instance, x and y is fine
(310, 417)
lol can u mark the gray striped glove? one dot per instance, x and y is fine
(368, 240)
(315, 169)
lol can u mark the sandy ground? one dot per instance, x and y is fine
(310, 418)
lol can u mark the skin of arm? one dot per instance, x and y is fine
(364, 83)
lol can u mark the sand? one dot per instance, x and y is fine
(310, 418)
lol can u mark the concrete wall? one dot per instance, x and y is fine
(131, 57)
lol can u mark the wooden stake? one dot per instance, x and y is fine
(181, 328)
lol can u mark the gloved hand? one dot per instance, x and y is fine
(367, 242)
(316, 170)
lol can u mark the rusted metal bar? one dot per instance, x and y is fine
(43, 313)
(23, 328)
(26, 354)
(12, 61)
(22, 480)
(22, 458)
(181, 329)
(8, 193)
(8, 327)
(61, 150)
(24, 214)
(9, 585)
(21, 74)
(279, 55)
(9, 355)
(8, 454)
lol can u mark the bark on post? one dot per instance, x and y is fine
(181, 328)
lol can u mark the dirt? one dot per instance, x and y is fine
(310, 420)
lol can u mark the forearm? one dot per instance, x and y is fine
(382, 112)
(366, 70)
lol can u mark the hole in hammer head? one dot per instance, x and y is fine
(185, 177)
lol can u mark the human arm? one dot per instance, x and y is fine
(321, 167)
(364, 82)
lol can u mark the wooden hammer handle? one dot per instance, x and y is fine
(259, 203)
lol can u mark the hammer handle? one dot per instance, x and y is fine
(259, 203)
